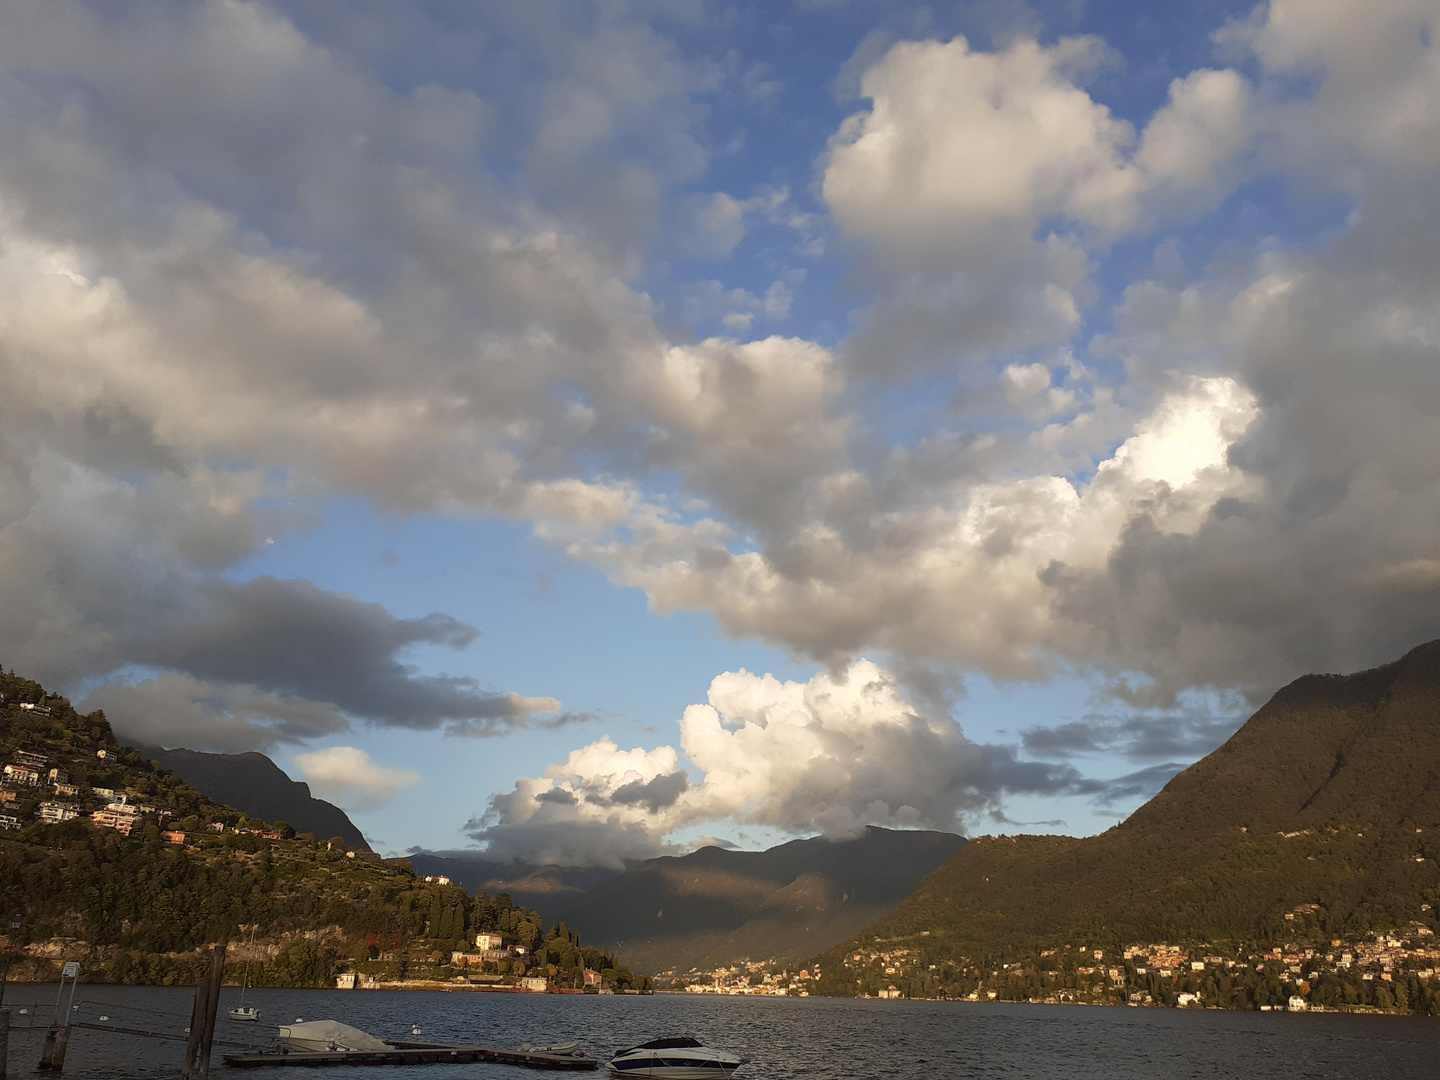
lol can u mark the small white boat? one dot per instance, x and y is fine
(680, 1058)
(320, 1036)
(244, 1012)
(564, 1048)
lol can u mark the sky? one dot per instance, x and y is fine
(577, 432)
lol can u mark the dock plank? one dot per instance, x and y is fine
(413, 1054)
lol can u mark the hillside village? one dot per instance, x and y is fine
(1382, 971)
(113, 861)
(744, 978)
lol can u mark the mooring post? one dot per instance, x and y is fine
(62, 1042)
(217, 975)
(4, 1041)
(47, 1051)
(197, 1021)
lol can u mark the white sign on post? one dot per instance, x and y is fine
(71, 970)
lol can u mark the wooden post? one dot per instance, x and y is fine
(197, 1021)
(47, 1051)
(4, 1041)
(217, 975)
(62, 1043)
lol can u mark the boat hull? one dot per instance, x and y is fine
(664, 1067)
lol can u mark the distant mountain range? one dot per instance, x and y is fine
(709, 907)
(527, 883)
(255, 785)
(715, 906)
(1319, 818)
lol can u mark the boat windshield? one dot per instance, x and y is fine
(683, 1042)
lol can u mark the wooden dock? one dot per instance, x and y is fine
(408, 1053)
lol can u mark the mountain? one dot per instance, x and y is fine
(714, 906)
(256, 786)
(1318, 821)
(113, 860)
(527, 883)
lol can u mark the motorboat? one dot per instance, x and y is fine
(681, 1058)
(563, 1048)
(322, 1036)
(244, 1012)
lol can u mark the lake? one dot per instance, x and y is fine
(781, 1037)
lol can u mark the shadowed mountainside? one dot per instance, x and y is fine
(528, 884)
(1326, 803)
(713, 906)
(256, 786)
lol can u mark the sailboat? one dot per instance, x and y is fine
(243, 1011)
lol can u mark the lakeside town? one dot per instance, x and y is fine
(1373, 973)
(1381, 971)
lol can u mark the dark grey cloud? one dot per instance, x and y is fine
(1134, 787)
(655, 794)
(296, 639)
(1138, 737)
(564, 842)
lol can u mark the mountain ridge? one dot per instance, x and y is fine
(1320, 815)
(254, 784)
(723, 905)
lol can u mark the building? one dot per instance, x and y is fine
(59, 776)
(173, 837)
(489, 941)
(109, 819)
(345, 981)
(592, 978)
(27, 775)
(534, 984)
(437, 879)
(55, 812)
(9, 822)
(472, 959)
(25, 757)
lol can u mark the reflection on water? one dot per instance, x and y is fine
(781, 1037)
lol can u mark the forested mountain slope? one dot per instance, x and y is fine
(257, 786)
(1319, 819)
(108, 858)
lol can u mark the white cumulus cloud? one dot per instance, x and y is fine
(829, 755)
(346, 776)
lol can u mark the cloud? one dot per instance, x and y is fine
(1136, 786)
(830, 755)
(983, 183)
(251, 263)
(948, 176)
(1137, 736)
(267, 660)
(857, 573)
(176, 710)
(346, 776)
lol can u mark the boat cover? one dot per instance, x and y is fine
(322, 1035)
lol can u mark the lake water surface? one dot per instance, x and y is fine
(781, 1037)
